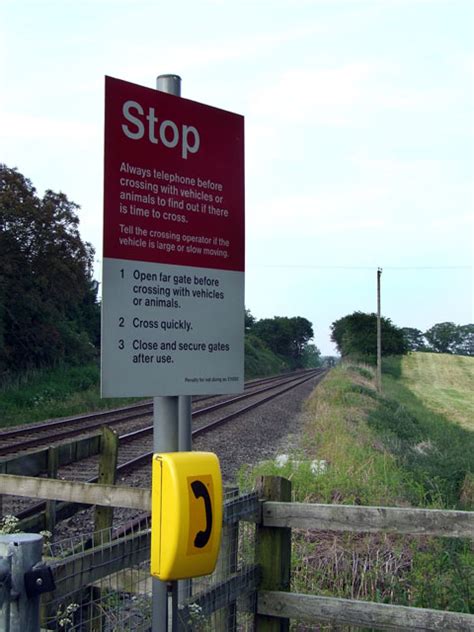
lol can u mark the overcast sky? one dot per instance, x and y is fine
(359, 134)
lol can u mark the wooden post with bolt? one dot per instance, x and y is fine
(273, 552)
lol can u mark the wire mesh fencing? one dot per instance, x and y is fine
(103, 581)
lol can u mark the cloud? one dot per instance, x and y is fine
(325, 95)
(30, 127)
(329, 213)
(344, 95)
(241, 47)
(399, 207)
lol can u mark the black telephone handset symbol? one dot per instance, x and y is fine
(200, 491)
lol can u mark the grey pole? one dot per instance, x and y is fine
(185, 423)
(5, 592)
(24, 551)
(172, 85)
(168, 426)
(185, 445)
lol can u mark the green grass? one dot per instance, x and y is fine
(444, 383)
(53, 393)
(66, 391)
(389, 450)
(360, 469)
(259, 360)
(433, 446)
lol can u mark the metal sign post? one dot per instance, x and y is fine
(165, 439)
(165, 427)
(171, 429)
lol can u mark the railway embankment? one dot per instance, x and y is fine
(393, 449)
(41, 394)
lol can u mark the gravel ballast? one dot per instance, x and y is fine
(260, 434)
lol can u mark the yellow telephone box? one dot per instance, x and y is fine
(186, 514)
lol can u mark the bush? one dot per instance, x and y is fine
(259, 360)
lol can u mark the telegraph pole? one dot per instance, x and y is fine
(379, 336)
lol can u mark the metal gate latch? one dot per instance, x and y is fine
(39, 580)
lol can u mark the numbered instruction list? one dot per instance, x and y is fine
(167, 317)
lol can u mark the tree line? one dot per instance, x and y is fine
(288, 338)
(442, 338)
(356, 335)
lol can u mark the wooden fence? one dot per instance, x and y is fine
(276, 606)
(275, 516)
(48, 460)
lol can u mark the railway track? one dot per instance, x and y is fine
(135, 445)
(27, 437)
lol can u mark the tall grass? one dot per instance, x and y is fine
(53, 393)
(259, 360)
(380, 450)
(436, 451)
(48, 393)
(443, 382)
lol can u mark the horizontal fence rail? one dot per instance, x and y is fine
(220, 595)
(245, 507)
(87, 567)
(33, 463)
(276, 606)
(356, 518)
(72, 491)
(351, 612)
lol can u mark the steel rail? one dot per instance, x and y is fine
(37, 508)
(139, 460)
(146, 409)
(223, 404)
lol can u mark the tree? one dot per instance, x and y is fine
(328, 362)
(338, 329)
(48, 301)
(311, 357)
(356, 335)
(466, 346)
(448, 337)
(444, 337)
(414, 339)
(301, 333)
(250, 321)
(287, 337)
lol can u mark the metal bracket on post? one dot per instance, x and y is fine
(39, 580)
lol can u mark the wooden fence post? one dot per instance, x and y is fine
(107, 472)
(273, 552)
(3, 470)
(50, 513)
(49, 523)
